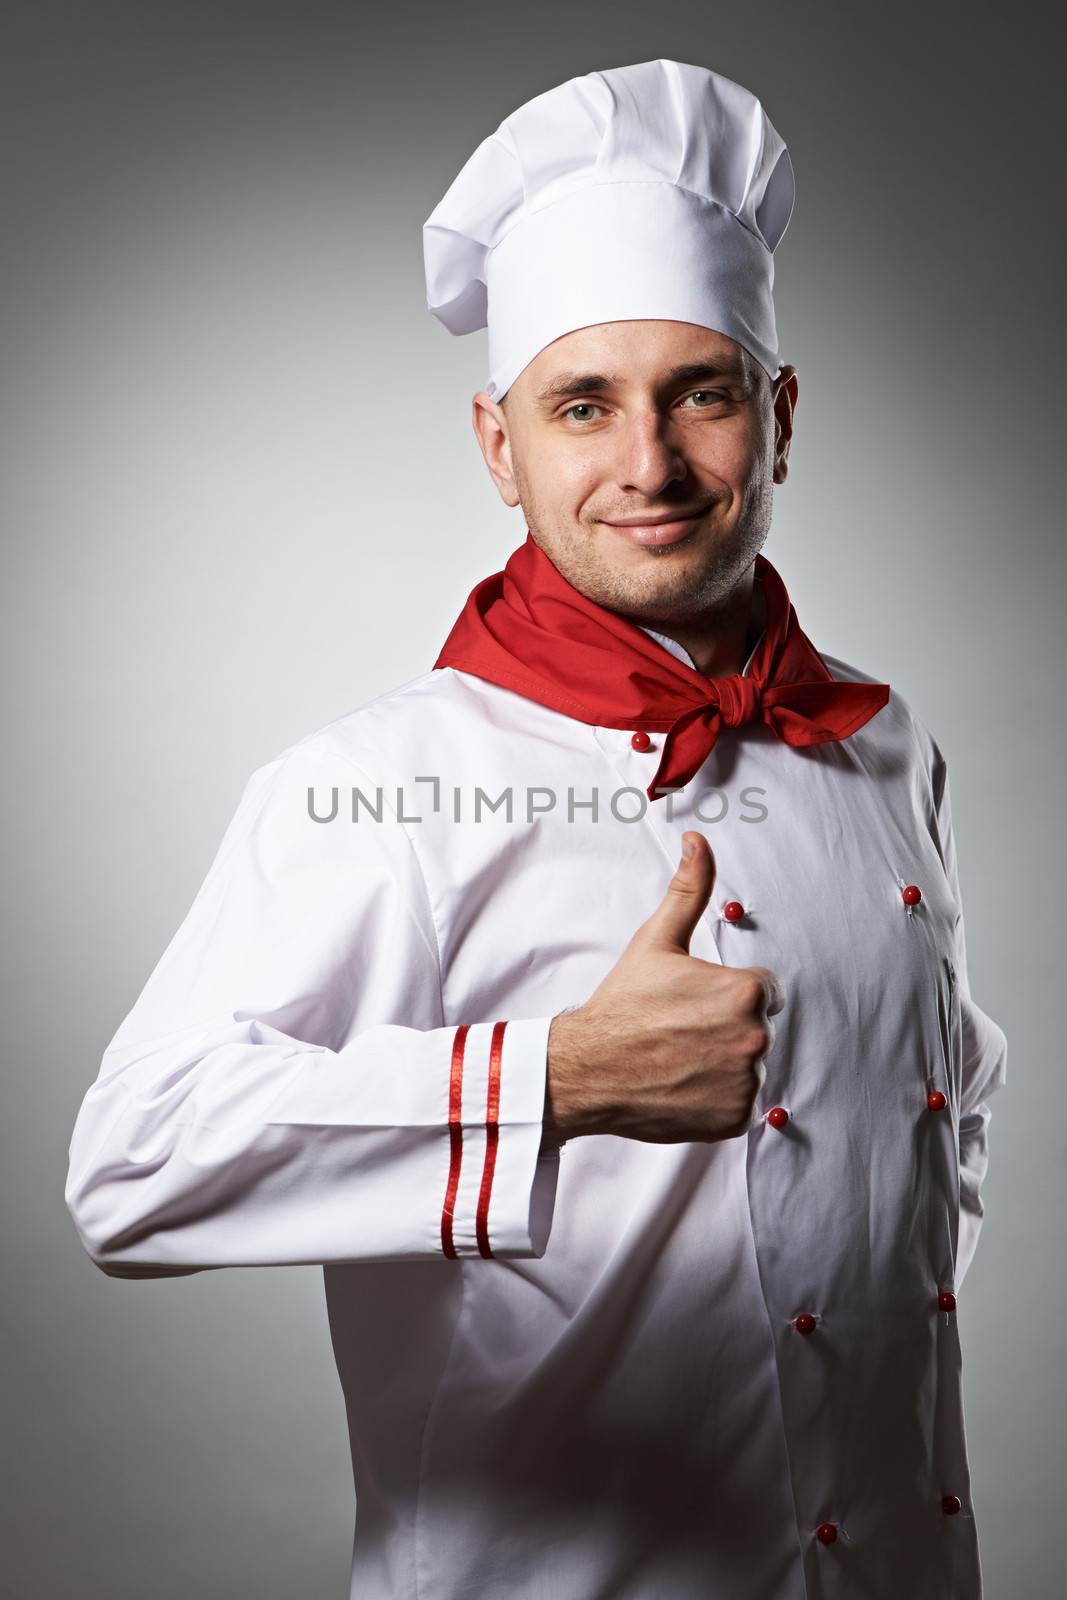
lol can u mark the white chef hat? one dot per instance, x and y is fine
(651, 191)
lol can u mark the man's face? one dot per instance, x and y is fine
(631, 423)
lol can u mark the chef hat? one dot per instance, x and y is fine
(651, 191)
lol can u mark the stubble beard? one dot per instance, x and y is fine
(666, 590)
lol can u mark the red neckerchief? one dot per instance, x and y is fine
(528, 629)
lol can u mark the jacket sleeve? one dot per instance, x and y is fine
(285, 1090)
(984, 1048)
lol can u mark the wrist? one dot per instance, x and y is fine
(571, 1106)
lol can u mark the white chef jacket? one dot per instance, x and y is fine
(576, 1374)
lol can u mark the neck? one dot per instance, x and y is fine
(720, 647)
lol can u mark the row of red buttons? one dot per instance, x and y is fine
(951, 1504)
(733, 910)
(778, 1116)
(805, 1323)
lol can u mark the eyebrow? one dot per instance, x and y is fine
(572, 383)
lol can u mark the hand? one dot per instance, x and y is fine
(669, 1047)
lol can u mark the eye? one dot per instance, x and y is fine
(714, 395)
(581, 405)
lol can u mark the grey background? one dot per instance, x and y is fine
(242, 496)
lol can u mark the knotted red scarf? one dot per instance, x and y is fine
(528, 629)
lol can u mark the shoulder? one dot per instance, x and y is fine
(368, 748)
(437, 710)
(897, 723)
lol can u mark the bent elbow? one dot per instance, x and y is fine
(102, 1196)
(98, 1228)
(105, 1238)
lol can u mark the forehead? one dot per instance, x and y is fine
(637, 351)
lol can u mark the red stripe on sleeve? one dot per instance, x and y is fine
(492, 1134)
(455, 1133)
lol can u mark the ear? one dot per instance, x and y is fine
(784, 400)
(491, 430)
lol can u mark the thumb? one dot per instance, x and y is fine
(670, 927)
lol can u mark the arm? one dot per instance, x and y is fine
(285, 1090)
(984, 1051)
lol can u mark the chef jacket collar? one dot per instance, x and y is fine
(682, 653)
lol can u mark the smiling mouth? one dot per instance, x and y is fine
(655, 533)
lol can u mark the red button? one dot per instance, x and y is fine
(950, 1504)
(946, 1301)
(911, 895)
(733, 911)
(778, 1116)
(805, 1323)
(826, 1533)
(640, 740)
(936, 1100)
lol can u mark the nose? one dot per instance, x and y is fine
(648, 457)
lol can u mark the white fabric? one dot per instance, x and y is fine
(618, 1404)
(659, 190)
(682, 653)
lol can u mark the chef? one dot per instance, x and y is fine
(594, 1006)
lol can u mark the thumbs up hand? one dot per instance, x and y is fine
(668, 1047)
